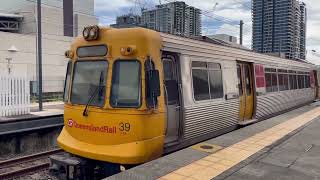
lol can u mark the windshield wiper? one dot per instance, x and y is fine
(93, 95)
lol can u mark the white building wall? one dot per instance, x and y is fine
(24, 60)
(54, 44)
(52, 15)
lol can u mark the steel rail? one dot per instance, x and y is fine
(26, 159)
(24, 171)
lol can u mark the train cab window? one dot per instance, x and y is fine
(126, 84)
(89, 82)
(207, 80)
(67, 82)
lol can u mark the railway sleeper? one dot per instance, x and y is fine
(69, 167)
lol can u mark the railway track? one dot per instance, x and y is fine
(25, 165)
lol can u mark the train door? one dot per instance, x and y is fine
(172, 95)
(246, 91)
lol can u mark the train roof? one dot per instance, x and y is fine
(196, 47)
(200, 48)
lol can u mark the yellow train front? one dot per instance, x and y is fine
(114, 112)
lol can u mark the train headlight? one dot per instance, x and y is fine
(85, 33)
(68, 54)
(91, 33)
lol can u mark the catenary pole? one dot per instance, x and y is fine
(241, 32)
(39, 55)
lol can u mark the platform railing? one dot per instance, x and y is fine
(14, 95)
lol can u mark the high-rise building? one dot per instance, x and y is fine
(193, 22)
(279, 28)
(303, 30)
(176, 18)
(127, 21)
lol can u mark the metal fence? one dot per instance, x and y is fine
(14, 95)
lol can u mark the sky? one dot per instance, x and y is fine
(219, 17)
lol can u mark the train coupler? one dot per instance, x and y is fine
(69, 167)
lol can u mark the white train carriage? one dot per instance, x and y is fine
(211, 89)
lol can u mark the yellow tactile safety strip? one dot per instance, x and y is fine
(215, 164)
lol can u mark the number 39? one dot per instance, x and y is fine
(124, 126)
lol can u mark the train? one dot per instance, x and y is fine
(133, 94)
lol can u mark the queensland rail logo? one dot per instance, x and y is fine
(70, 122)
(92, 128)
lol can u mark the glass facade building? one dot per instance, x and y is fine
(279, 28)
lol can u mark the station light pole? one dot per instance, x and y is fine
(39, 55)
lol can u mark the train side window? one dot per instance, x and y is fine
(271, 80)
(307, 81)
(286, 81)
(215, 78)
(200, 84)
(281, 82)
(207, 80)
(295, 82)
(300, 81)
(268, 82)
(274, 82)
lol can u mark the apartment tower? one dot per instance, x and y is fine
(279, 28)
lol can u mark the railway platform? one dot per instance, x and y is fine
(49, 109)
(283, 147)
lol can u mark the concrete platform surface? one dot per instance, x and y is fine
(49, 109)
(283, 147)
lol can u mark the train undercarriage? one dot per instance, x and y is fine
(71, 167)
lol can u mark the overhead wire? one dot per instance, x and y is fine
(79, 12)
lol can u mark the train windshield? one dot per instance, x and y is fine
(88, 77)
(126, 84)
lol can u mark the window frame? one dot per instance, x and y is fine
(73, 71)
(272, 71)
(207, 69)
(140, 84)
(285, 78)
(93, 55)
(69, 65)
